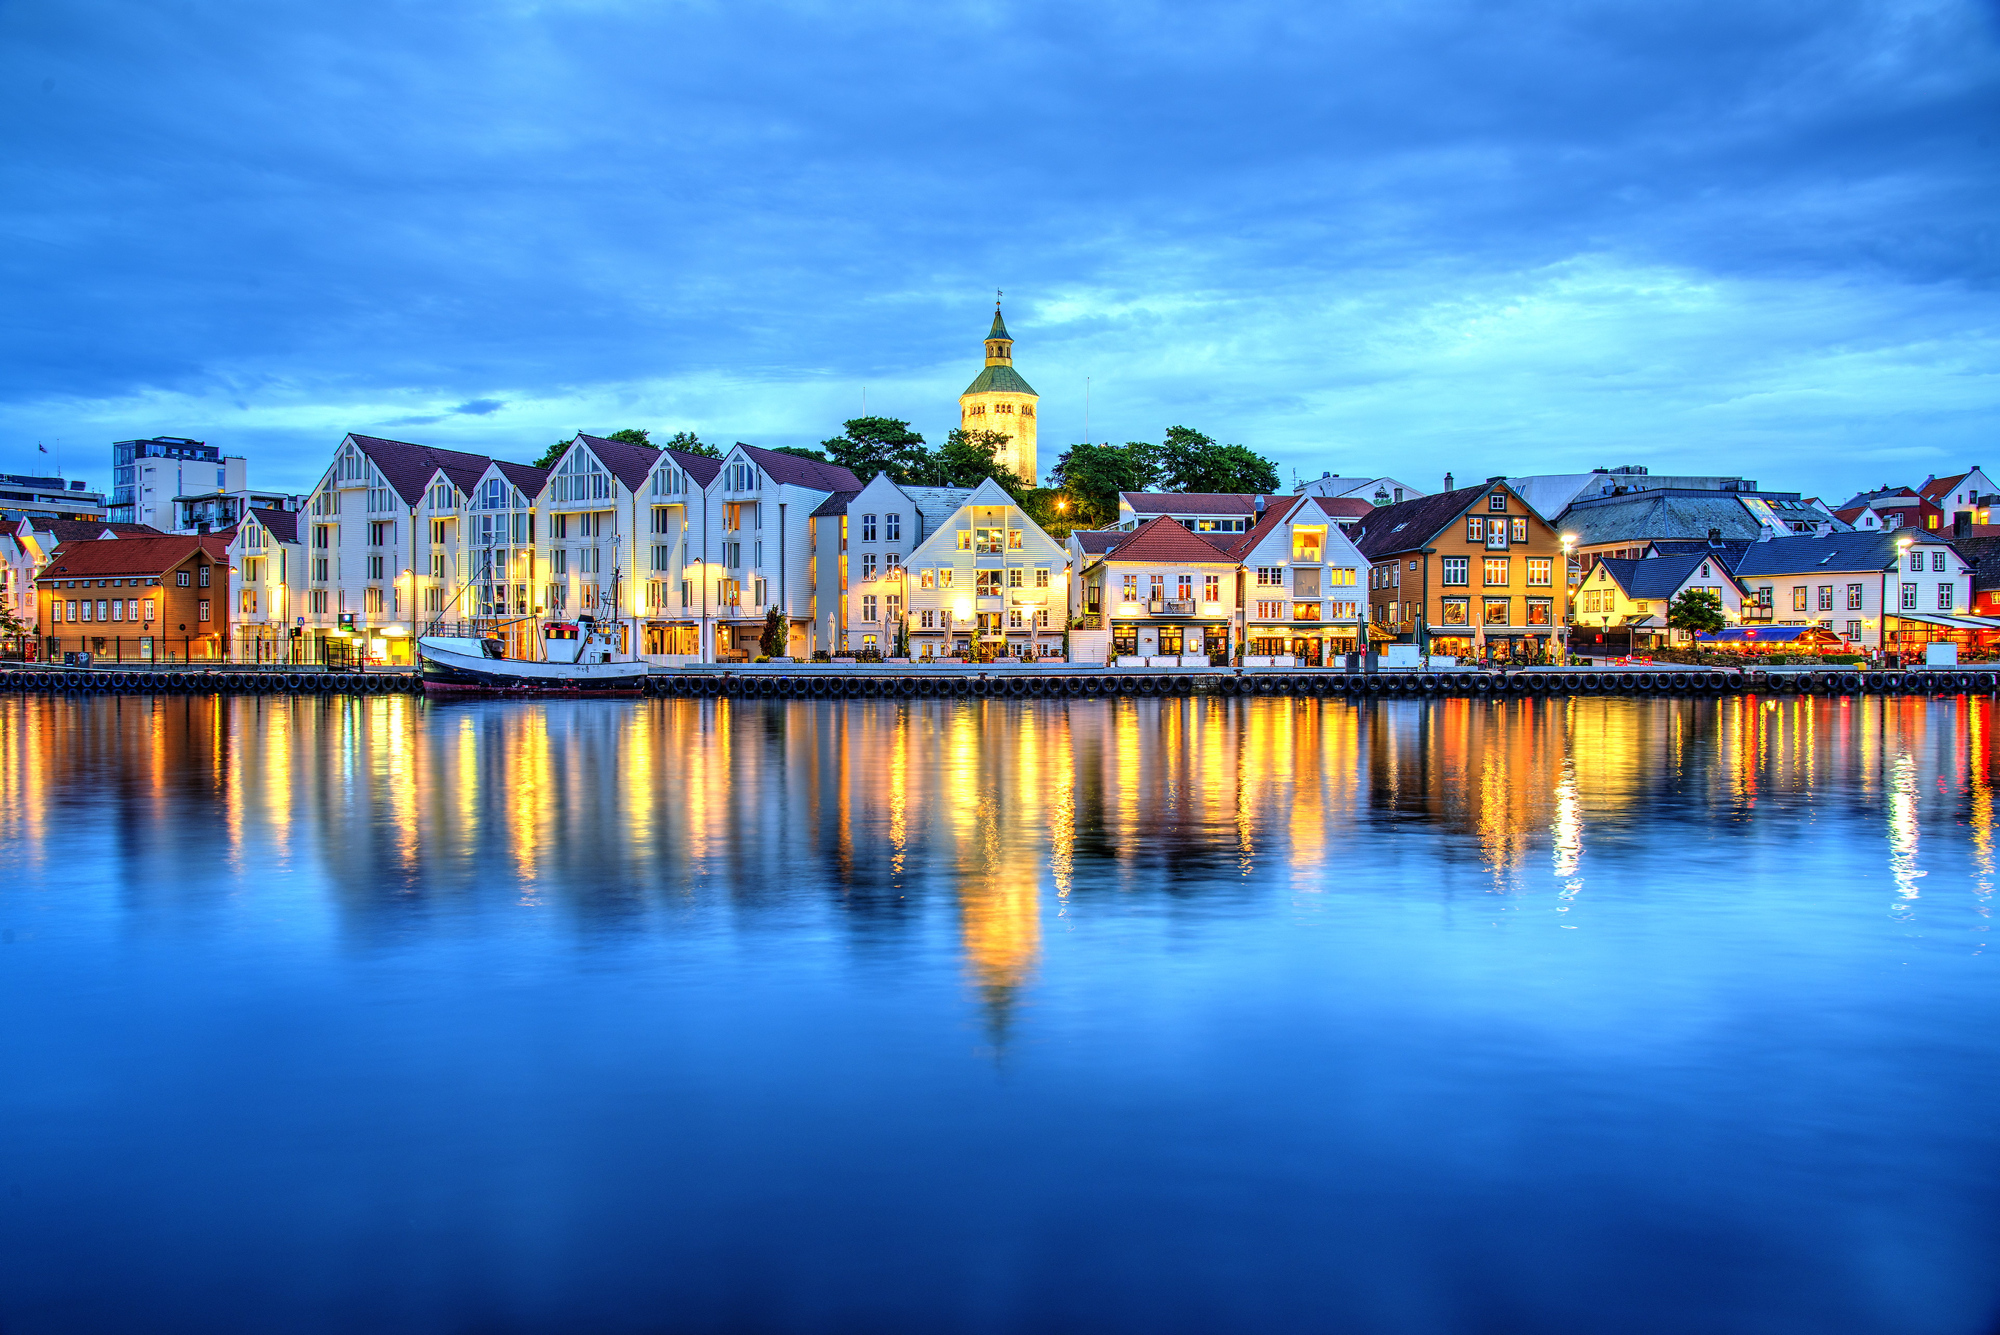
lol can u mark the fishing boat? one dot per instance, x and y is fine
(580, 658)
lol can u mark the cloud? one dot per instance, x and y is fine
(1521, 237)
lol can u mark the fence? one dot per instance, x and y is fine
(304, 651)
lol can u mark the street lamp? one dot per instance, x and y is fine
(1568, 547)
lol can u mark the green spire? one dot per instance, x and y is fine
(999, 329)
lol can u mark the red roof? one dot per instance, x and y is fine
(1165, 541)
(1344, 507)
(1195, 502)
(1934, 490)
(1274, 517)
(131, 556)
(83, 530)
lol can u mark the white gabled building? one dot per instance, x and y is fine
(988, 580)
(1303, 583)
(267, 581)
(860, 579)
(676, 504)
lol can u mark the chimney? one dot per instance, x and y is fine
(1715, 537)
(1260, 509)
(1447, 482)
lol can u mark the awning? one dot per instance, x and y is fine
(1948, 620)
(1770, 635)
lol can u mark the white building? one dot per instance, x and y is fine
(860, 580)
(1880, 589)
(987, 581)
(1303, 579)
(267, 567)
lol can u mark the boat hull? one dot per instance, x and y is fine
(446, 673)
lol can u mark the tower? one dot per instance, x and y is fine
(999, 400)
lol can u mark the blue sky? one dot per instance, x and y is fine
(1735, 236)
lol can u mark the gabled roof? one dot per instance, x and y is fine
(408, 468)
(527, 479)
(697, 466)
(1642, 516)
(83, 530)
(1727, 553)
(1983, 555)
(1275, 516)
(1166, 541)
(281, 524)
(936, 504)
(1935, 489)
(791, 471)
(1657, 577)
(834, 505)
(630, 464)
(1410, 524)
(1874, 549)
(131, 556)
(1098, 541)
(1196, 502)
(1344, 507)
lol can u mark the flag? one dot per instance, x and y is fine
(43, 448)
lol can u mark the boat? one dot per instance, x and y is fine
(580, 658)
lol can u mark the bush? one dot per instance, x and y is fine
(822, 656)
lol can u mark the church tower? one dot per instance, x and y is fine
(999, 400)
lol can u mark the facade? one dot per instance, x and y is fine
(998, 399)
(1303, 580)
(670, 627)
(145, 599)
(215, 511)
(148, 476)
(1471, 567)
(1893, 590)
(27, 542)
(751, 550)
(1889, 508)
(1968, 493)
(1208, 513)
(1621, 605)
(987, 582)
(1164, 591)
(266, 583)
(1376, 491)
(860, 581)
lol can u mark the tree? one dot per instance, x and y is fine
(1091, 476)
(1190, 461)
(1697, 611)
(553, 453)
(871, 445)
(801, 452)
(689, 443)
(968, 458)
(777, 630)
(634, 435)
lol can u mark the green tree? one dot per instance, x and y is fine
(1089, 478)
(1697, 611)
(553, 453)
(777, 630)
(689, 443)
(968, 458)
(634, 435)
(802, 452)
(871, 445)
(1190, 461)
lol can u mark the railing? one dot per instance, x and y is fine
(1171, 606)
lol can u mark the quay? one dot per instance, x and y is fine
(817, 681)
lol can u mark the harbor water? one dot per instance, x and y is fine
(1528, 1015)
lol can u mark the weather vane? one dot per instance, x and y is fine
(996, 298)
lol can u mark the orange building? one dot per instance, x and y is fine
(1477, 563)
(137, 599)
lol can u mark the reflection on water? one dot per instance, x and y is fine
(1271, 947)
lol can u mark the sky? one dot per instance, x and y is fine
(1404, 238)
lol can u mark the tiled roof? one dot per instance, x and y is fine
(1644, 516)
(1344, 507)
(629, 463)
(129, 556)
(1729, 552)
(527, 478)
(1239, 545)
(282, 524)
(697, 466)
(1983, 555)
(936, 504)
(833, 505)
(1411, 524)
(1097, 541)
(1657, 577)
(1167, 542)
(83, 530)
(408, 468)
(1194, 502)
(1874, 549)
(792, 471)
(1935, 489)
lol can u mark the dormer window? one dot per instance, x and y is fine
(1497, 501)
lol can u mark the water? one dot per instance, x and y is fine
(1571, 1016)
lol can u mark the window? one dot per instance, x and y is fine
(1540, 611)
(1496, 537)
(1520, 530)
(965, 540)
(1309, 545)
(1495, 573)
(868, 568)
(374, 566)
(927, 619)
(1016, 577)
(1131, 588)
(1341, 575)
(1184, 588)
(1937, 562)
(944, 577)
(891, 563)
(1854, 630)
(868, 607)
(1041, 577)
(1910, 597)
(1496, 611)
(1014, 539)
(990, 541)
(181, 578)
(1456, 611)
(201, 576)
(1211, 588)
(868, 532)
(149, 609)
(371, 602)
(1704, 571)
(201, 609)
(927, 579)
(1270, 576)
(1497, 501)
(1916, 561)
(1541, 571)
(1475, 529)
(380, 533)
(1014, 621)
(1799, 598)
(1270, 611)
(1826, 597)
(892, 527)
(1945, 592)
(986, 583)
(1854, 597)
(1457, 570)
(1305, 611)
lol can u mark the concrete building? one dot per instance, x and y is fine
(148, 476)
(51, 498)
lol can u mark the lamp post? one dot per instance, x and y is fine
(700, 569)
(1903, 545)
(1563, 613)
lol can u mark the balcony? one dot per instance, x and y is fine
(1172, 607)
